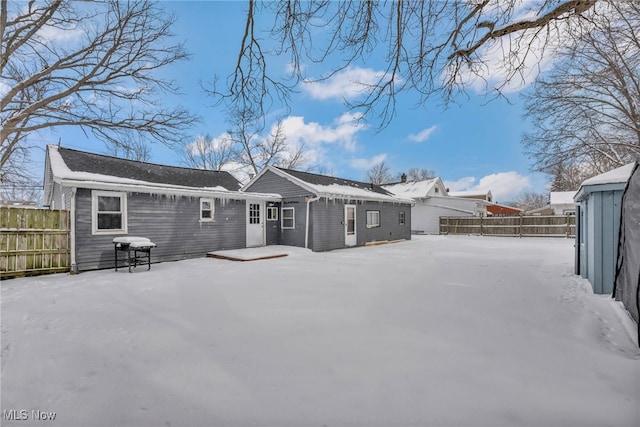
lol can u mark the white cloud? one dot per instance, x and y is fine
(366, 164)
(313, 134)
(347, 84)
(503, 185)
(423, 135)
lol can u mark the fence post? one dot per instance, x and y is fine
(481, 230)
(520, 228)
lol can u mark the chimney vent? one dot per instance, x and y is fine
(403, 178)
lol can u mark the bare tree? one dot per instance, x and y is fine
(529, 200)
(586, 111)
(92, 65)
(132, 146)
(245, 150)
(256, 151)
(210, 153)
(420, 174)
(432, 46)
(380, 173)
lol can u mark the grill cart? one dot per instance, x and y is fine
(138, 251)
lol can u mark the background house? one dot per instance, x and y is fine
(321, 213)
(186, 212)
(432, 202)
(560, 203)
(598, 223)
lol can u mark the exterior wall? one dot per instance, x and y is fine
(172, 223)
(269, 182)
(328, 228)
(295, 236)
(599, 227)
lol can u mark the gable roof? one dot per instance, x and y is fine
(413, 189)
(332, 187)
(614, 178)
(79, 169)
(80, 163)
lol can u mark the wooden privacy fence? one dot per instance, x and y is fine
(33, 241)
(512, 226)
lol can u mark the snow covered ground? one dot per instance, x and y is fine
(438, 331)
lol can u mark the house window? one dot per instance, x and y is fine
(401, 217)
(373, 219)
(109, 212)
(437, 190)
(288, 218)
(272, 213)
(207, 209)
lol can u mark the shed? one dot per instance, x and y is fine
(598, 203)
(627, 281)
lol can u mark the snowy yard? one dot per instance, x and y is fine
(438, 331)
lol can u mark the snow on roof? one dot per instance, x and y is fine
(63, 174)
(339, 188)
(412, 189)
(561, 197)
(470, 194)
(614, 176)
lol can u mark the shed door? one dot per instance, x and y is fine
(350, 225)
(255, 224)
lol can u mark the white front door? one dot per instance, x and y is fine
(350, 225)
(255, 223)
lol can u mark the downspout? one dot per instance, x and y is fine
(72, 234)
(306, 226)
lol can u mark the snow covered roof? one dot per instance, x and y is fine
(75, 168)
(333, 187)
(561, 197)
(412, 189)
(620, 174)
(83, 165)
(616, 176)
(472, 194)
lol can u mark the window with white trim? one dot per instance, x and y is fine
(108, 212)
(373, 219)
(288, 218)
(401, 217)
(272, 213)
(207, 209)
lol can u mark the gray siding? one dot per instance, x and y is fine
(170, 222)
(328, 223)
(294, 237)
(272, 183)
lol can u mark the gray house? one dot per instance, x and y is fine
(322, 213)
(185, 212)
(598, 203)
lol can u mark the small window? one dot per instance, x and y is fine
(109, 212)
(254, 213)
(373, 219)
(437, 190)
(207, 209)
(288, 218)
(272, 213)
(401, 217)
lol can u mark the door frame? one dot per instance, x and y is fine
(350, 239)
(262, 215)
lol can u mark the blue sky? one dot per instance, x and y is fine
(472, 145)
